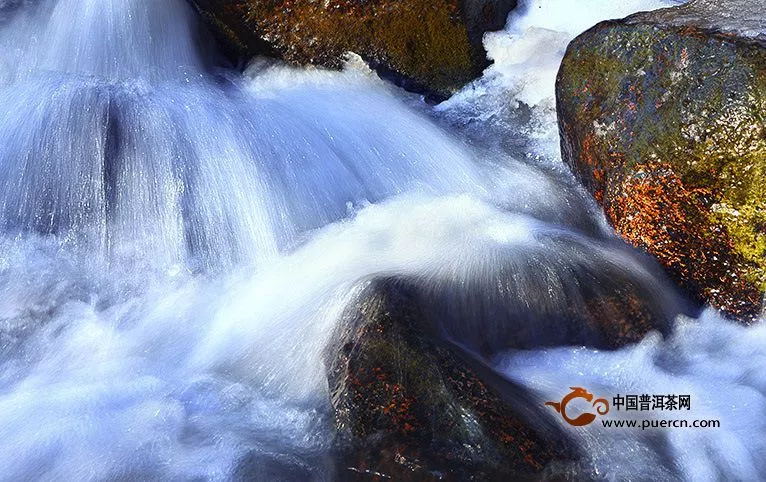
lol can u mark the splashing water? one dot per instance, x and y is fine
(178, 241)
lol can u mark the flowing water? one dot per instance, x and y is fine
(177, 242)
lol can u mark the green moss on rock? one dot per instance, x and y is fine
(664, 123)
(434, 44)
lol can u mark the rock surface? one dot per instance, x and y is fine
(663, 117)
(431, 46)
(561, 305)
(412, 408)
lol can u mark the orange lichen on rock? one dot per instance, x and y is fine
(398, 395)
(652, 209)
(669, 137)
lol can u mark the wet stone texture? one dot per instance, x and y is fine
(425, 45)
(409, 408)
(663, 117)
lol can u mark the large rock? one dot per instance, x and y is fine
(663, 117)
(431, 45)
(412, 408)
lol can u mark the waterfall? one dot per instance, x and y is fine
(178, 241)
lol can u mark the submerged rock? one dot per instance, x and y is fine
(433, 46)
(557, 305)
(663, 117)
(409, 406)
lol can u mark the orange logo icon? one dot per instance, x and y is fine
(600, 404)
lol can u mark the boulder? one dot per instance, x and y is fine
(663, 118)
(429, 46)
(410, 407)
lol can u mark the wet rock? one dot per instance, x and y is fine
(663, 117)
(430, 46)
(408, 406)
(554, 293)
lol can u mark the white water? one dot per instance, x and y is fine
(178, 242)
(719, 364)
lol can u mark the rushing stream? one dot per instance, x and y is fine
(177, 242)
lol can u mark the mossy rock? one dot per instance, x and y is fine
(663, 117)
(411, 407)
(431, 46)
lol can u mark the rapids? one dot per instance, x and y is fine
(178, 240)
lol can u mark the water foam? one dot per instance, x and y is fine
(716, 362)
